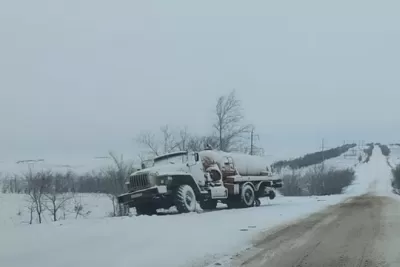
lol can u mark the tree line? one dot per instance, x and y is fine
(385, 149)
(312, 158)
(52, 191)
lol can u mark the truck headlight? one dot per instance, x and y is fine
(164, 180)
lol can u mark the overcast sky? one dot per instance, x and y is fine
(79, 77)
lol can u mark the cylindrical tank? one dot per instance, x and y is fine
(246, 165)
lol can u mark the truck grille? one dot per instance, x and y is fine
(138, 182)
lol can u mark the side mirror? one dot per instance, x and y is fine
(196, 157)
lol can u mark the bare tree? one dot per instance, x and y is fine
(37, 185)
(116, 175)
(197, 143)
(56, 195)
(79, 208)
(166, 142)
(169, 140)
(184, 138)
(229, 122)
(149, 140)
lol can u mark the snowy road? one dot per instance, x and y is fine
(362, 231)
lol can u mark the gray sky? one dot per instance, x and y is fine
(85, 76)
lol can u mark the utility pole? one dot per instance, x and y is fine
(323, 154)
(251, 141)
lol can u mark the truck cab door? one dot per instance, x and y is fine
(196, 169)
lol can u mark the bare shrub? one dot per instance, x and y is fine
(291, 185)
(317, 181)
(116, 176)
(38, 184)
(385, 149)
(368, 152)
(13, 184)
(396, 179)
(336, 180)
(79, 209)
(57, 195)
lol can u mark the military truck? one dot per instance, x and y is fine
(183, 179)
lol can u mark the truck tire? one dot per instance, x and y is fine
(185, 199)
(146, 209)
(271, 194)
(209, 204)
(247, 197)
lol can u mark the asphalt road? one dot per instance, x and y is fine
(363, 231)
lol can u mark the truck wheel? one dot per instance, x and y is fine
(272, 194)
(209, 204)
(146, 209)
(185, 199)
(248, 196)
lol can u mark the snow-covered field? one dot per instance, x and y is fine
(14, 209)
(195, 239)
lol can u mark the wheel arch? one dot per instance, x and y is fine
(248, 183)
(182, 179)
(262, 183)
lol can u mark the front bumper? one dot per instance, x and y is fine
(142, 196)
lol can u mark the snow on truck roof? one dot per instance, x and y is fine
(173, 154)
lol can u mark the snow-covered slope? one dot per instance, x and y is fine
(374, 177)
(344, 161)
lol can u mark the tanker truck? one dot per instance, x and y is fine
(183, 179)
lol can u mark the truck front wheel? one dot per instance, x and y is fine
(185, 199)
